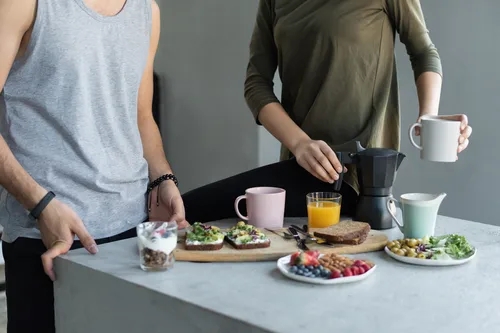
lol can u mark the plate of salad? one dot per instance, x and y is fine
(446, 250)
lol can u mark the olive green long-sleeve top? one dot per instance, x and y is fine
(337, 65)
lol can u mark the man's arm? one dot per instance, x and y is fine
(16, 16)
(408, 18)
(150, 134)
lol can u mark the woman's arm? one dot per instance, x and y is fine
(408, 18)
(259, 93)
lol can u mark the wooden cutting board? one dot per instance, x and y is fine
(280, 247)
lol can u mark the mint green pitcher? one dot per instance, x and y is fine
(420, 212)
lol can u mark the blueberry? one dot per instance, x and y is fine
(310, 267)
(299, 272)
(317, 272)
(305, 269)
(300, 266)
(293, 269)
(308, 274)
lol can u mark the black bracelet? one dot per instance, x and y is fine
(35, 212)
(160, 180)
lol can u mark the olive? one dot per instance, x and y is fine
(411, 253)
(421, 256)
(400, 252)
(412, 242)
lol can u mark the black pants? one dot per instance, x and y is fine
(216, 201)
(30, 292)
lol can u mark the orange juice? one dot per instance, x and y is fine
(322, 214)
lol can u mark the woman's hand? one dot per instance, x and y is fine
(58, 225)
(318, 159)
(465, 129)
(172, 204)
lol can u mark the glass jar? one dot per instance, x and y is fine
(157, 242)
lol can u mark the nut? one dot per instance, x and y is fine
(334, 261)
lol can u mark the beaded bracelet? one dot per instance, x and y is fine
(160, 180)
(156, 183)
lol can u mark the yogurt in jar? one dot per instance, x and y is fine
(163, 244)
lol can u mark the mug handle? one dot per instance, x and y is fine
(410, 135)
(397, 204)
(236, 203)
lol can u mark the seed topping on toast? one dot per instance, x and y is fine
(204, 234)
(243, 233)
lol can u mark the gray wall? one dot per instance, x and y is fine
(209, 133)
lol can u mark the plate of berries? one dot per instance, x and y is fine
(313, 267)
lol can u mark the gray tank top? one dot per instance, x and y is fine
(70, 115)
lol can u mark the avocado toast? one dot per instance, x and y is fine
(201, 237)
(244, 236)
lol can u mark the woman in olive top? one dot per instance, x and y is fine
(337, 65)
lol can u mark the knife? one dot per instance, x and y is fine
(300, 242)
(303, 232)
(310, 236)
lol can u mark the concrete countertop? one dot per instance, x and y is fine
(109, 293)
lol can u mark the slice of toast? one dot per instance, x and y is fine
(203, 247)
(248, 246)
(203, 237)
(345, 232)
(244, 236)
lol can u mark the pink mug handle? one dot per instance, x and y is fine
(236, 203)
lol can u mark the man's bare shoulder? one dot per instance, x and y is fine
(17, 15)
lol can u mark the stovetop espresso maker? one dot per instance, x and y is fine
(376, 171)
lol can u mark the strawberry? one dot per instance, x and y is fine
(361, 270)
(293, 258)
(306, 260)
(313, 253)
(355, 270)
(335, 274)
(347, 272)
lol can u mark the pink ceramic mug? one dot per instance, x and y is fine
(265, 207)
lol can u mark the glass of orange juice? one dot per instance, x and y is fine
(323, 209)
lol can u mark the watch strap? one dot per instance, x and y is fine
(38, 209)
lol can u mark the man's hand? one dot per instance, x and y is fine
(318, 159)
(58, 225)
(465, 129)
(173, 206)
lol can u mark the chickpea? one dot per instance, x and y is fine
(421, 256)
(395, 249)
(406, 247)
(391, 244)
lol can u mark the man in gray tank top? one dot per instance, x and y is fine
(79, 147)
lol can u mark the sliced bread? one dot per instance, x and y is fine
(244, 236)
(345, 232)
(202, 237)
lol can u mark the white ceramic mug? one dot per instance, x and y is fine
(438, 138)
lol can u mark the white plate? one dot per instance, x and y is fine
(283, 266)
(429, 262)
